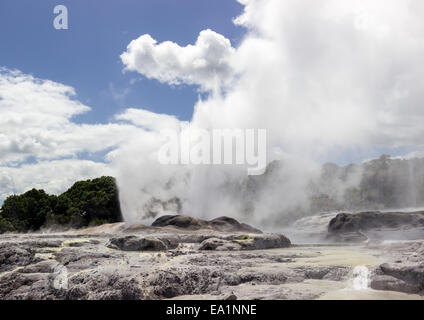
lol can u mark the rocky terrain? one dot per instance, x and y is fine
(376, 225)
(181, 257)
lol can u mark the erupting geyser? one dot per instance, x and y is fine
(329, 81)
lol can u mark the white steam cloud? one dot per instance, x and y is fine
(323, 77)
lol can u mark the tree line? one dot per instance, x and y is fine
(86, 203)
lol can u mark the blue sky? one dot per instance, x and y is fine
(86, 56)
(339, 83)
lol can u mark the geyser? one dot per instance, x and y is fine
(329, 81)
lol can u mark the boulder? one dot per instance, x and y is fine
(413, 273)
(262, 241)
(227, 224)
(134, 243)
(400, 276)
(246, 242)
(362, 221)
(222, 224)
(230, 297)
(389, 283)
(180, 221)
(219, 245)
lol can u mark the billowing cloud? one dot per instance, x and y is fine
(207, 63)
(334, 74)
(325, 78)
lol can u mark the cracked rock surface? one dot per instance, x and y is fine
(175, 262)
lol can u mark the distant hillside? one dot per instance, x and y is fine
(378, 184)
(382, 183)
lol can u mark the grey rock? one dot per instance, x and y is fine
(219, 245)
(12, 256)
(236, 264)
(230, 296)
(222, 224)
(180, 221)
(76, 259)
(348, 237)
(318, 273)
(110, 284)
(227, 224)
(182, 281)
(246, 242)
(34, 282)
(411, 274)
(262, 241)
(134, 243)
(345, 222)
(46, 266)
(43, 243)
(389, 283)
(170, 242)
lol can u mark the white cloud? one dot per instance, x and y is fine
(150, 120)
(36, 124)
(207, 63)
(36, 121)
(53, 176)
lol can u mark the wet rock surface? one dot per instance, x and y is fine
(362, 221)
(403, 270)
(402, 277)
(349, 237)
(374, 225)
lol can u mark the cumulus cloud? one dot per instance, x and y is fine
(207, 63)
(36, 121)
(41, 145)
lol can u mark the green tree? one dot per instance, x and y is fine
(89, 202)
(96, 201)
(27, 211)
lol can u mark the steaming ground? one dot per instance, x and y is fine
(170, 261)
(313, 229)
